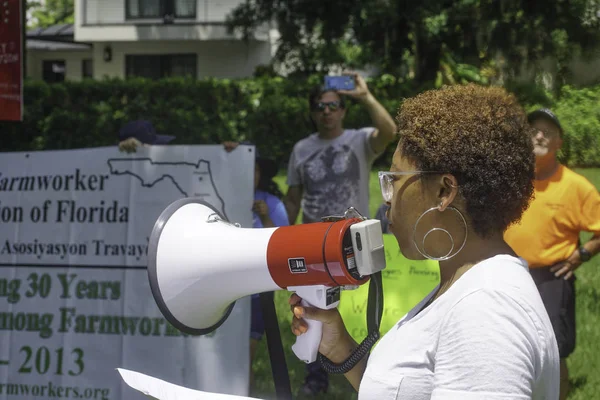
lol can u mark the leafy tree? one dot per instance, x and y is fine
(426, 39)
(50, 12)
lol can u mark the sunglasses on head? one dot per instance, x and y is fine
(332, 105)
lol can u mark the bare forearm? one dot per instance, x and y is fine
(593, 245)
(343, 351)
(382, 120)
(292, 210)
(292, 201)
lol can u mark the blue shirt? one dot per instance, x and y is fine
(277, 210)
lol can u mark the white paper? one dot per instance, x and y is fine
(161, 390)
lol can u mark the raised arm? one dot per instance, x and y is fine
(385, 128)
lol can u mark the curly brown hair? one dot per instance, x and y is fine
(481, 136)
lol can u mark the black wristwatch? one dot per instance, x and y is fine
(584, 254)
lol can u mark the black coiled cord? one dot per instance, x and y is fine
(363, 348)
(374, 314)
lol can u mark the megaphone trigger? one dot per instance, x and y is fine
(306, 347)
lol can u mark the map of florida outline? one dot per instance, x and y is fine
(159, 170)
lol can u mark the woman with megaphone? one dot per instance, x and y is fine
(462, 172)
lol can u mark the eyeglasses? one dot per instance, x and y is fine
(550, 134)
(333, 106)
(387, 179)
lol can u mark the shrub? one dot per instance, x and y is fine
(271, 111)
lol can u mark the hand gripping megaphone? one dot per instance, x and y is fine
(199, 264)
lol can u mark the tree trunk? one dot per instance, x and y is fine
(427, 56)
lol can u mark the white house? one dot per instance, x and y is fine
(149, 38)
(53, 56)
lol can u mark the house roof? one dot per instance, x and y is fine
(62, 32)
(54, 38)
(50, 45)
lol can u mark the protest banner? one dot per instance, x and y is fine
(73, 281)
(405, 283)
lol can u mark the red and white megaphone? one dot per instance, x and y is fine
(199, 264)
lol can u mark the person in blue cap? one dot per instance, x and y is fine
(140, 132)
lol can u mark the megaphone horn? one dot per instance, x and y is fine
(199, 264)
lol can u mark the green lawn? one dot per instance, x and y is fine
(584, 363)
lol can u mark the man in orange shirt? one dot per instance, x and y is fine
(547, 236)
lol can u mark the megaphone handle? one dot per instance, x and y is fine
(306, 347)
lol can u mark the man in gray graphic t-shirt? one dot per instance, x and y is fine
(333, 173)
(329, 170)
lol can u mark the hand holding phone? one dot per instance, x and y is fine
(344, 82)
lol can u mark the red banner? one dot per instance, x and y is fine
(11, 60)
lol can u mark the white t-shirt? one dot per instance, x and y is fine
(487, 337)
(334, 173)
